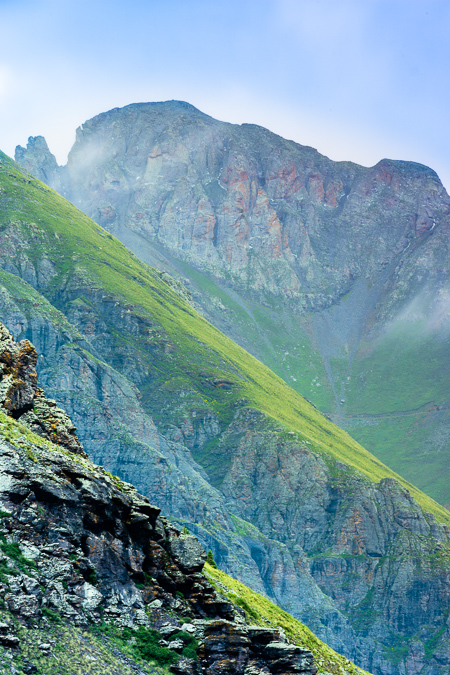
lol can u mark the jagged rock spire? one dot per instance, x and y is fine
(21, 398)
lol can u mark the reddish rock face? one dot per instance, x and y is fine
(235, 200)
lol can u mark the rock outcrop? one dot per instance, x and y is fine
(21, 398)
(230, 648)
(91, 538)
(86, 546)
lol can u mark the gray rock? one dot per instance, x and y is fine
(168, 629)
(91, 596)
(176, 645)
(188, 552)
(9, 640)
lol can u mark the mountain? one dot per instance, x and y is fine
(95, 580)
(288, 502)
(334, 275)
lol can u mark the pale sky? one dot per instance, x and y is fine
(357, 79)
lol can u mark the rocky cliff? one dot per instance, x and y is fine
(334, 275)
(81, 548)
(287, 501)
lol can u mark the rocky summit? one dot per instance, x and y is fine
(334, 275)
(288, 503)
(83, 555)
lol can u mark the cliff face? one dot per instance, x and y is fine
(334, 275)
(287, 502)
(244, 203)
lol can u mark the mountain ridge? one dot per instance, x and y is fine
(351, 262)
(326, 541)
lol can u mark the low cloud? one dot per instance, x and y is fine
(427, 313)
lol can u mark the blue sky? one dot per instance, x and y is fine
(356, 79)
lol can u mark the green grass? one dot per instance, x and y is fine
(398, 404)
(403, 443)
(383, 372)
(281, 340)
(52, 228)
(432, 643)
(73, 652)
(261, 611)
(143, 643)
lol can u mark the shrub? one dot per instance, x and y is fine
(51, 615)
(190, 644)
(146, 646)
(91, 577)
(13, 551)
(210, 560)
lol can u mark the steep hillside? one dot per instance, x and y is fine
(334, 275)
(288, 502)
(94, 580)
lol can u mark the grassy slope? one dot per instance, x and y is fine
(54, 228)
(261, 611)
(397, 403)
(74, 651)
(283, 342)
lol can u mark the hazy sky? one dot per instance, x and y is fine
(356, 79)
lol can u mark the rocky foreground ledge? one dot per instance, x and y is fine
(89, 547)
(80, 545)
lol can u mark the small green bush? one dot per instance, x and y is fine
(91, 577)
(147, 648)
(7, 571)
(13, 551)
(210, 560)
(190, 644)
(51, 615)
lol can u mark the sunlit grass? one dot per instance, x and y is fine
(262, 612)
